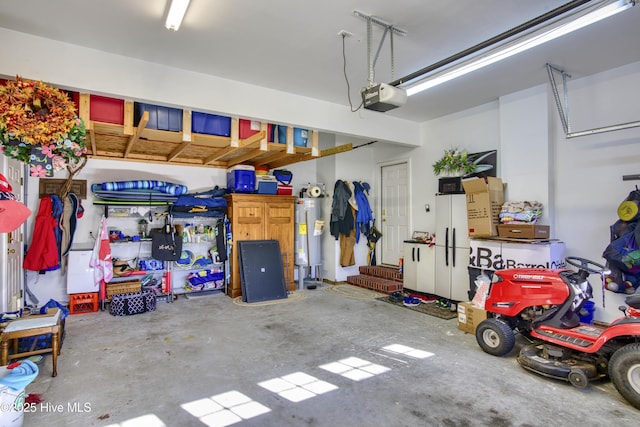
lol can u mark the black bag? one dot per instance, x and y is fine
(166, 245)
(133, 303)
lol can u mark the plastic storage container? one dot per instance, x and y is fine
(12, 402)
(590, 308)
(241, 179)
(101, 108)
(210, 124)
(83, 303)
(160, 118)
(248, 128)
(266, 184)
(300, 137)
(106, 110)
(284, 189)
(278, 133)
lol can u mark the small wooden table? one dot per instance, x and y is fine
(32, 326)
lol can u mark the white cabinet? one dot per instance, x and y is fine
(452, 247)
(418, 267)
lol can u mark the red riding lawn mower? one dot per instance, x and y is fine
(544, 306)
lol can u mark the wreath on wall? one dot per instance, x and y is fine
(39, 126)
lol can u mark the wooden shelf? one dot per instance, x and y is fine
(129, 143)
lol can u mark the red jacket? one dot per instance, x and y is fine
(43, 253)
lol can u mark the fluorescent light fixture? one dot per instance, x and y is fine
(521, 44)
(176, 14)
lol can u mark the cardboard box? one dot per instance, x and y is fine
(469, 317)
(524, 231)
(484, 202)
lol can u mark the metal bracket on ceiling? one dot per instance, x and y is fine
(388, 28)
(564, 112)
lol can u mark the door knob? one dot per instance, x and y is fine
(11, 251)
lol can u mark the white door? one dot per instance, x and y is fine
(394, 210)
(11, 282)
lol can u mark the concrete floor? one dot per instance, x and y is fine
(323, 360)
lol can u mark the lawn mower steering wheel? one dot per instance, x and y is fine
(586, 265)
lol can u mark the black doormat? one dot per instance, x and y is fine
(429, 308)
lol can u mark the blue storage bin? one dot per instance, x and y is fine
(300, 137)
(210, 124)
(160, 118)
(278, 133)
(241, 179)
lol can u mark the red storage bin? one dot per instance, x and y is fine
(245, 130)
(106, 110)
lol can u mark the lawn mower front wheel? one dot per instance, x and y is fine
(495, 337)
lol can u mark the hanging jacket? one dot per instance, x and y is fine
(342, 220)
(43, 253)
(364, 216)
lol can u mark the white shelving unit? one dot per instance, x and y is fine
(135, 248)
(200, 244)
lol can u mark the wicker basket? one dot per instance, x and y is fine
(127, 287)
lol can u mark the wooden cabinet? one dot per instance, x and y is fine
(261, 217)
(419, 267)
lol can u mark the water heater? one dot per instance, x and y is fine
(309, 228)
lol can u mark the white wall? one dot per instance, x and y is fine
(578, 180)
(476, 129)
(588, 170)
(524, 148)
(78, 68)
(354, 165)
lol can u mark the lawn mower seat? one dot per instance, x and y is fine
(633, 301)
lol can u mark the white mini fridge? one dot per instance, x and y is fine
(79, 272)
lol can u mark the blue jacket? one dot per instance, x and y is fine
(364, 217)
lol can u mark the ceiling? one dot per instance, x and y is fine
(294, 46)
